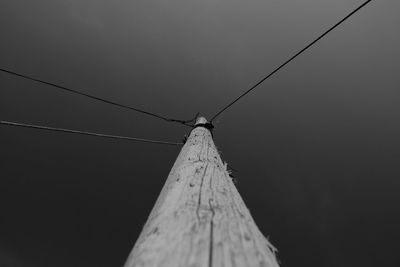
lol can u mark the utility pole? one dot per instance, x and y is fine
(199, 219)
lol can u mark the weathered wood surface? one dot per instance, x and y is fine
(199, 218)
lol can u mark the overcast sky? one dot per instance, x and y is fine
(316, 147)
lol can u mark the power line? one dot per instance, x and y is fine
(290, 59)
(8, 123)
(184, 122)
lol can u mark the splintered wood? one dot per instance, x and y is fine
(199, 218)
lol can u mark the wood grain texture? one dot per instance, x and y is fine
(199, 218)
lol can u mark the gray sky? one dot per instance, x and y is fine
(316, 146)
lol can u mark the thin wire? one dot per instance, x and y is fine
(8, 123)
(290, 59)
(184, 122)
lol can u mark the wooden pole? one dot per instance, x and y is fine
(199, 219)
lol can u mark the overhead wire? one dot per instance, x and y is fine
(289, 60)
(47, 128)
(184, 122)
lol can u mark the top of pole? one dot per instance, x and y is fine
(202, 122)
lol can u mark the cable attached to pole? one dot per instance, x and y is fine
(184, 122)
(290, 59)
(16, 124)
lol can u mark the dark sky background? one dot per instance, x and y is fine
(316, 147)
